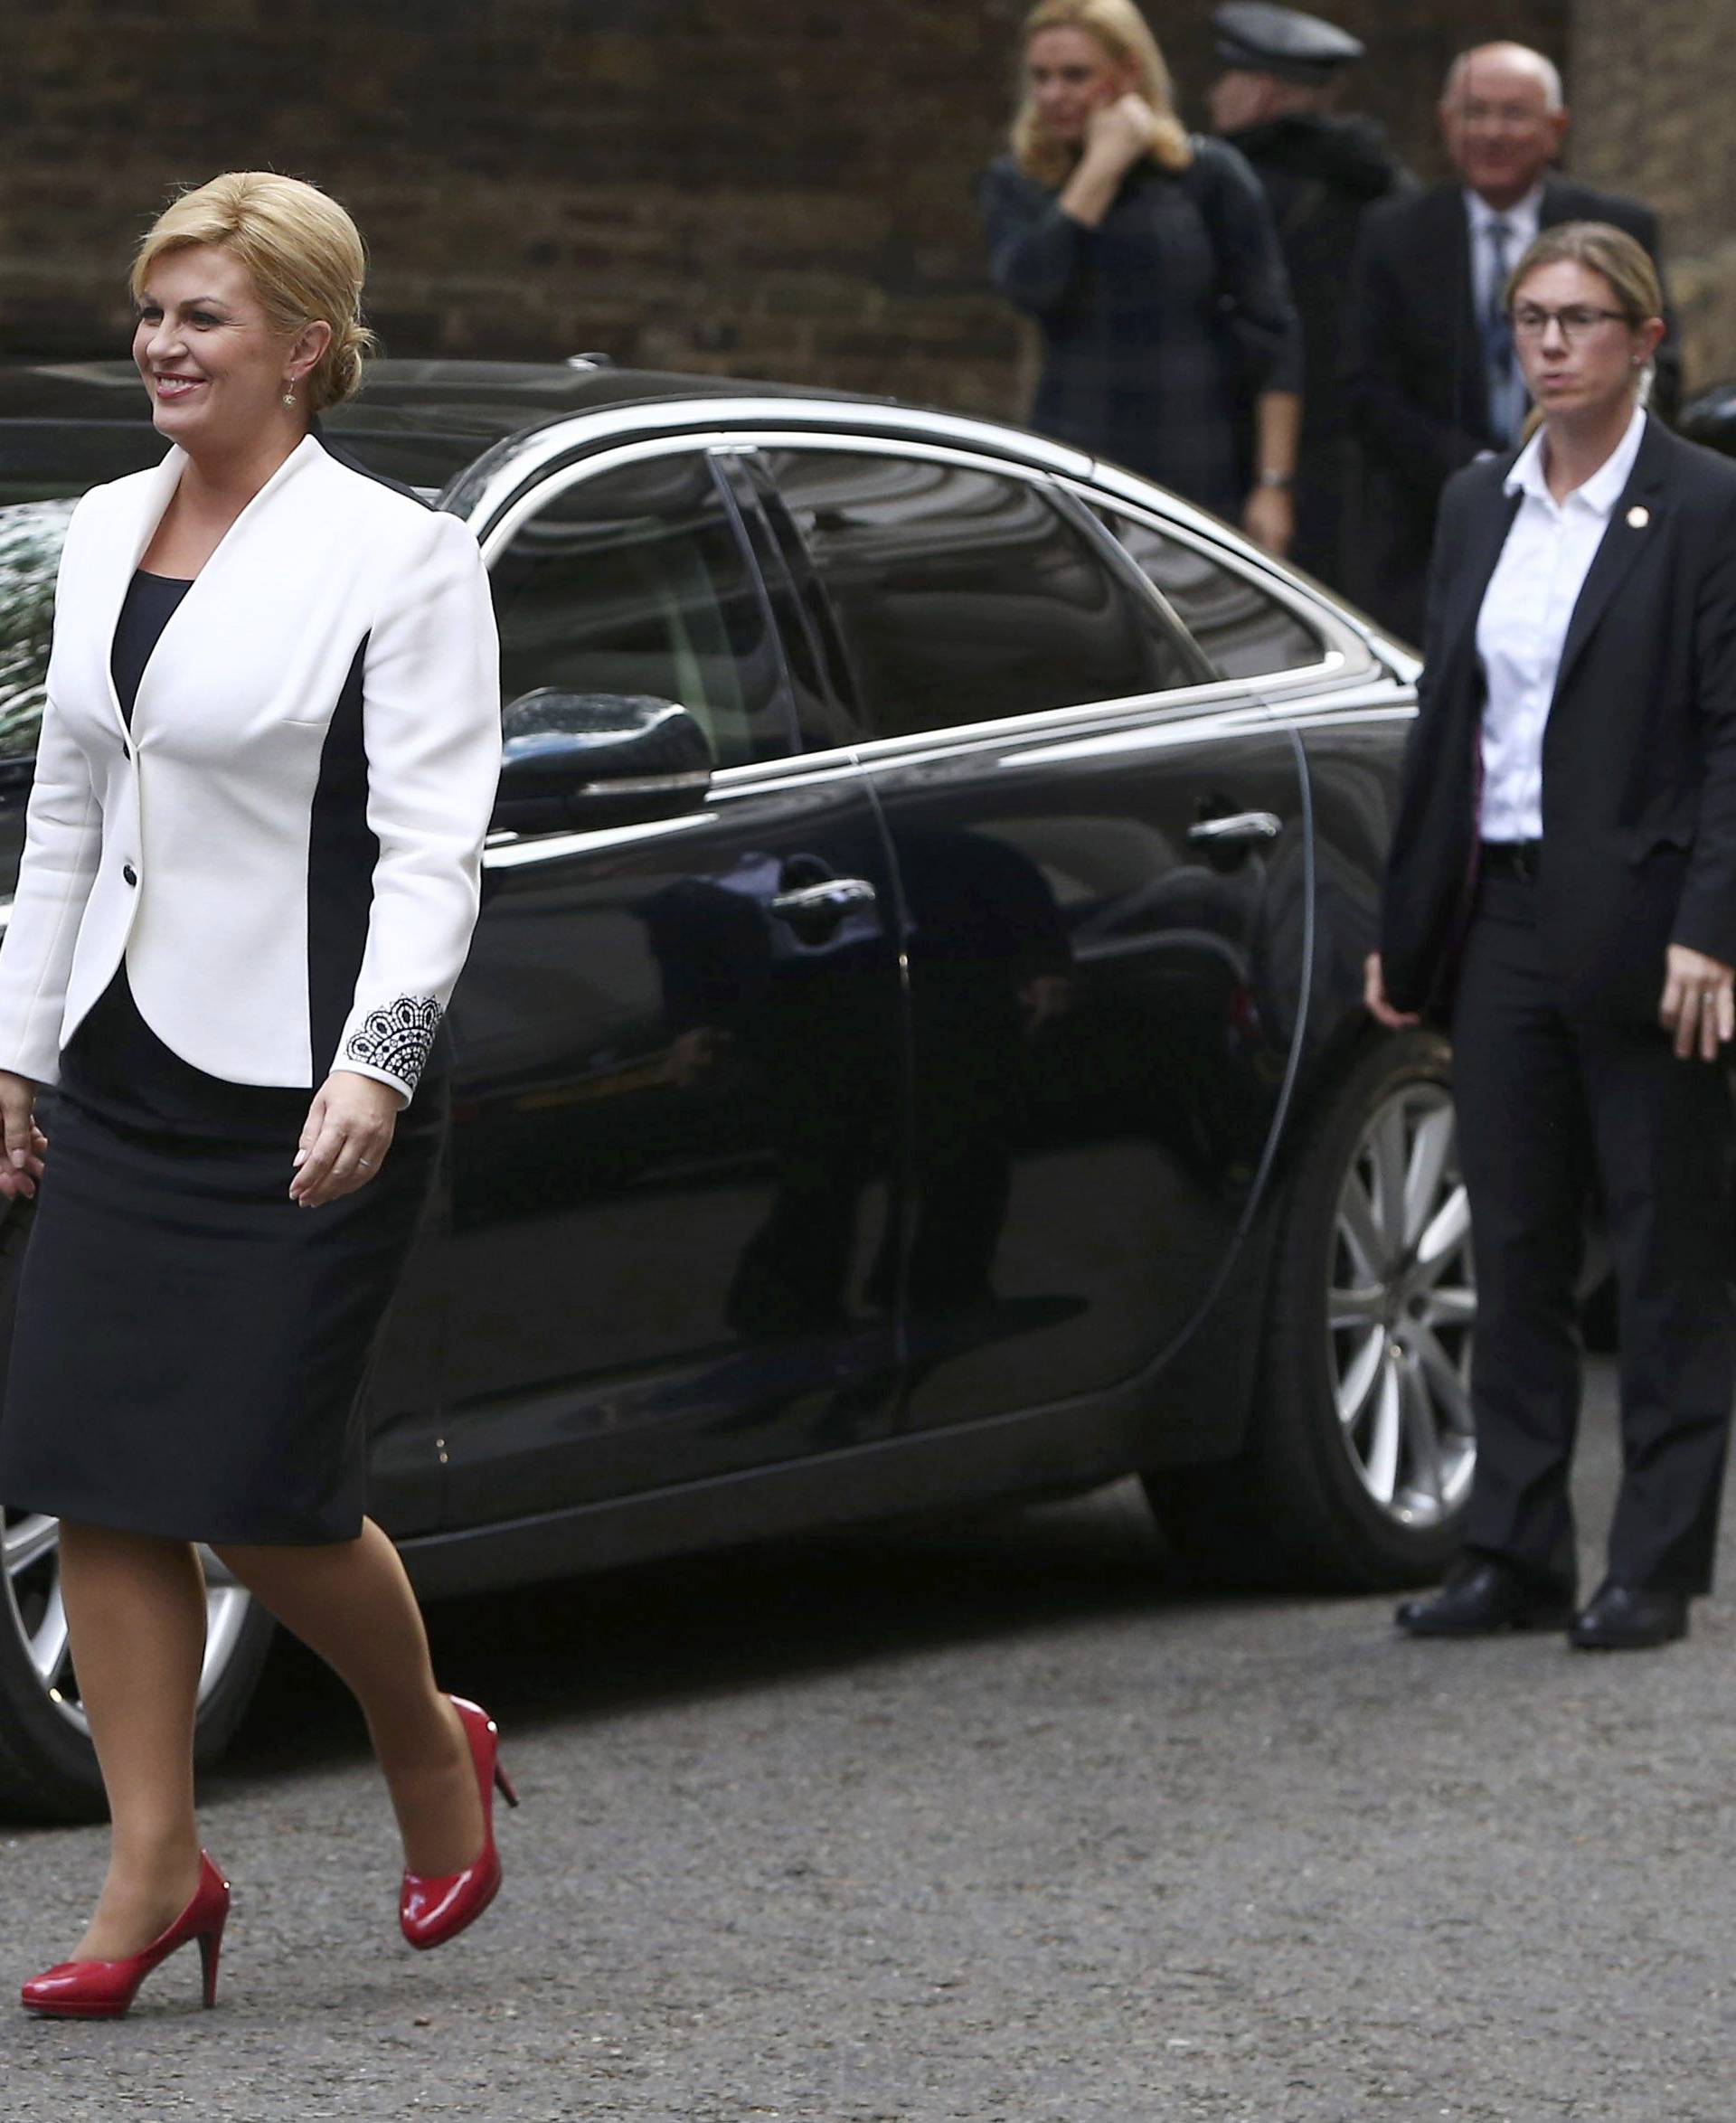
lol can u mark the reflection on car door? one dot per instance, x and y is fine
(676, 1104)
(1103, 921)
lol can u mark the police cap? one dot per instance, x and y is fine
(1256, 37)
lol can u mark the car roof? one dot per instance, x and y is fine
(426, 421)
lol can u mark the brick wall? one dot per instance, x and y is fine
(759, 186)
(1653, 87)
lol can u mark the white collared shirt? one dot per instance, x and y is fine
(1521, 626)
(1524, 220)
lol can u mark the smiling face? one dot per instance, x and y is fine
(1068, 76)
(215, 364)
(1598, 369)
(1497, 123)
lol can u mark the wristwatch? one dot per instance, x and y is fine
(1275, 479)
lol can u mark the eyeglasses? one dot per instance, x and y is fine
(1531, 322)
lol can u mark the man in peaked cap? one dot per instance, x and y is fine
(1281, 68)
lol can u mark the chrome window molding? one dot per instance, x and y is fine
(1229, 702)
(495, 482)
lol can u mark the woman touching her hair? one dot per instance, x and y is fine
(1149, 261)
(267, 764)
(1561, 890)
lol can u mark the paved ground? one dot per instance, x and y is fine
(983, 1820)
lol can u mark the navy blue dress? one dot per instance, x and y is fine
(190, 1346)
(1148, 319)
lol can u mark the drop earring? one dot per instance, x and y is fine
(289, 395)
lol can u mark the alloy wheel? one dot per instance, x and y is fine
(30, 1571)
(1400, 1308)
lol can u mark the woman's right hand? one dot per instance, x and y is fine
(22, 1167)
(1375, 998)
(1119, 134)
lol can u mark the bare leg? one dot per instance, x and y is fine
(350, 1602)
(136, 1613)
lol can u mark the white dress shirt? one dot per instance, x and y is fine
(1521, 626)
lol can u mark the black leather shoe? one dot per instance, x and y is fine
(1483, 1598)
(1627, 1618)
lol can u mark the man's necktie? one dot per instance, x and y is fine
(1508, 395)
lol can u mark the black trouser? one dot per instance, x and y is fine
(1548, 1106)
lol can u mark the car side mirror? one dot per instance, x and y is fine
(597, 758)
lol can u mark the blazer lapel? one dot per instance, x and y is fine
(1474, 380)
(1632, 523)
(114, 570)
(230, 552)
(1483, 547)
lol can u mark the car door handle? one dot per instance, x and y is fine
(829, 901)
(1240, 825)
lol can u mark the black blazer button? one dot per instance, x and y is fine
(129, 873)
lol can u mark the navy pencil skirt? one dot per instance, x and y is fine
(190, 1346)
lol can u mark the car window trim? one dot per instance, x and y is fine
(498, 478)
(1335, 637)
(499, 536)
(1117, 564)
(1122, 564)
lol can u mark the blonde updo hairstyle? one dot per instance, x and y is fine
(302, 252)
(1124, 33)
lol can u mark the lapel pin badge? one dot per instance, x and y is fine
(1639, 518)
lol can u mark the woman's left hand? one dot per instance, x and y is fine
(1698, 1006)
(1269, 517)
(348, 1132)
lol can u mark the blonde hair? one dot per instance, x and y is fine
(1122, 31)
(302, 252)
(1600, 249)
(1617, 258)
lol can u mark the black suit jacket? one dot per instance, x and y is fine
(1640, 750)
(1417, 393)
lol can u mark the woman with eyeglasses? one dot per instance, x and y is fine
(1561, 891)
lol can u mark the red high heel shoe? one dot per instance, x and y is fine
(436, 1907)
(103, 1990)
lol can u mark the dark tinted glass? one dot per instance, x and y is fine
(1244, 630)
(636, 582)
(44, 466)
(964, 596)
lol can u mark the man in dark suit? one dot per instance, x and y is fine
(1321, 173)
(1434, 383)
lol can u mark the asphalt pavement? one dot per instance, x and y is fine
(986, 1819)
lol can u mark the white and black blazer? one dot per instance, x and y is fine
(286, 847)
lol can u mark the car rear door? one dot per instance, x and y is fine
(1103, 868)
(677, 1093)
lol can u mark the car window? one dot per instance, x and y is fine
(636, 582)
(962, 596)
(1244, 630)
(45, 465)
(33, 518)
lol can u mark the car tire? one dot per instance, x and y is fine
(48, 1767)
(1357, 1471)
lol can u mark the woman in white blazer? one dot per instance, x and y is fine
(268, 760)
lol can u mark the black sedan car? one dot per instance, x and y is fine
(911, 1049)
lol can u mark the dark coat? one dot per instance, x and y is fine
(1417, 391)
(1640, 750)
(1321, 176)
(1140, 360)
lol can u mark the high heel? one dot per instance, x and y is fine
(103, 1990)
(436, 1907)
